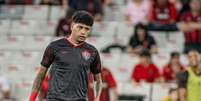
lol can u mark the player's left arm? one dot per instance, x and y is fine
(97, 86)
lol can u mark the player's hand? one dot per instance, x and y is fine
(97, 98)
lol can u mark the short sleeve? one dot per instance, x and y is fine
(182, 79)
(48, 56)
(96, 65)
(136, 73)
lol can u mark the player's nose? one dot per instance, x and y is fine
(83, 31)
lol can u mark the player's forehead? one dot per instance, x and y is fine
(83, 25)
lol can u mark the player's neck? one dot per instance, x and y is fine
(73, 41)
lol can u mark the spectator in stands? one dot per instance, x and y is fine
(189, 82)
(185, 6)
(137, 11)
(109, 84)
(162, 16)
(174, 67)
(145, 70)
(172, 96)
(190, 24)
(5, 90)
(63, 3)
(63, 27)
(141, 40)
(92, 6)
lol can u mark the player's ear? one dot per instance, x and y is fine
(72, 24)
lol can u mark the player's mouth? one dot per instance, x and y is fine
(82, 37)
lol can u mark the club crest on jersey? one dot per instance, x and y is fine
(86, 55)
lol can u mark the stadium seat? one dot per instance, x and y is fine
(125, 67)
(160, 38)
(124, 32)
(38, 42)
(11, 12)
(107, 29)
(110, 61)
(4, 57)
(3, 39)
(160, 60)
(24, 27)
(4, 26)
(176, 41)
(57, 12)
(36, 12)
(111, 13)
(46, 27)
(23, 89)
(121, 15)
(100, 42)
(120, 2)
(12, 42)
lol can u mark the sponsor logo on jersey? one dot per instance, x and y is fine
(86, 55)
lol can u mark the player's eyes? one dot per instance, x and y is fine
(80, 27)
(87, 28)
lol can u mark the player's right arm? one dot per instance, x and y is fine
(48, 58)
(37, 82)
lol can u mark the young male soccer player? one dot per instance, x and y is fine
(72, 59)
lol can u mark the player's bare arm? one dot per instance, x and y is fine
(39, 78)
(37, 82)
(97, 86)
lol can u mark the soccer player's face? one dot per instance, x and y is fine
(80, 31)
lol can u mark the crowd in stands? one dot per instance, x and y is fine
(155, 15)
